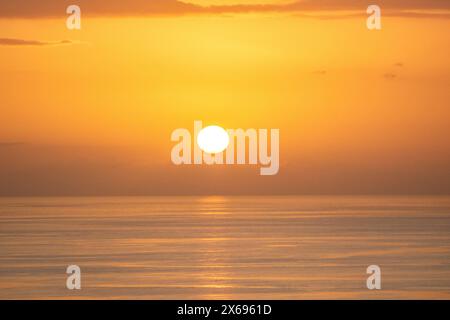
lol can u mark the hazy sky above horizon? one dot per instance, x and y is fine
(90, 112)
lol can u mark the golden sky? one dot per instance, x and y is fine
(91, 111)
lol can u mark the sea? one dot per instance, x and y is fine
(225, 247)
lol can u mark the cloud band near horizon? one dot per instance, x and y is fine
(56, 8)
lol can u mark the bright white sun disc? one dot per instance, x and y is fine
(213, 139)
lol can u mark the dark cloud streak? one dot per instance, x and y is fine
(22, 42)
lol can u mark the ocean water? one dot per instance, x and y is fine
(225, 247)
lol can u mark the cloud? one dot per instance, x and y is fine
(57, 8)
(22, 42)
(390, 76)
(320, 72)
(363, 4)
(58, 170)
(341, 14)
(418, 14)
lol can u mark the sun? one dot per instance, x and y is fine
(213, 139)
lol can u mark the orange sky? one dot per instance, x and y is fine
(359, 111)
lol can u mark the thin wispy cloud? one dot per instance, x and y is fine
(320, 72)
(56, 8)
(23, 42)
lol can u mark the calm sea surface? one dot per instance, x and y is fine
(225, 247)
